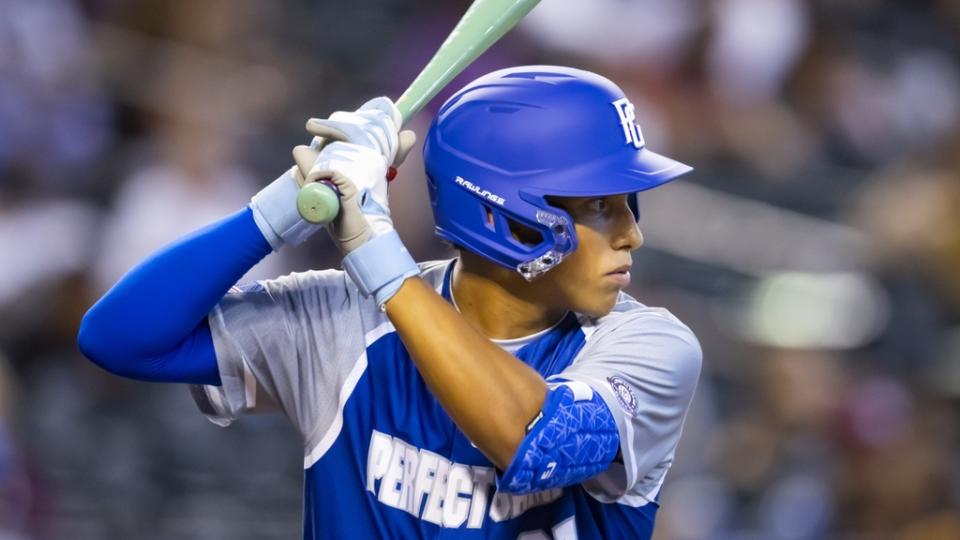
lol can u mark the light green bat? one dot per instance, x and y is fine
(484, 23)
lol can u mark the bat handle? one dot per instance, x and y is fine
(319, 202)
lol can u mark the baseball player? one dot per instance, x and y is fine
(512, 392)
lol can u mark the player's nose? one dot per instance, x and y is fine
(626, 231)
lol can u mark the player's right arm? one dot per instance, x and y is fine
(153, 324)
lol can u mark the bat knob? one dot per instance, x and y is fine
(318, 202)
(391, 174)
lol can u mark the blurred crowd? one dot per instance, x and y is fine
(815, 250)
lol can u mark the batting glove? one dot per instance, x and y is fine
(363, 145)
(372, 135)
(375, 125)
(359, 146)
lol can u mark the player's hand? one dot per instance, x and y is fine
(367, 141)
(358, 147)
(375, 125)
(359, 174)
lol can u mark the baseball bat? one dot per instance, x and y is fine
(484, 23)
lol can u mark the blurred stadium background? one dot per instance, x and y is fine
(815, 250)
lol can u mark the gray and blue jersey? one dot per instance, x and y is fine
(381, 457)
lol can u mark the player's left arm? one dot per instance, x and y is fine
(490, 394)
(628, 393)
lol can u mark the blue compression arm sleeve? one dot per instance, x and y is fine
(152, 325)
(570, 441)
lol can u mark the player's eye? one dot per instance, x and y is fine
(598, 206)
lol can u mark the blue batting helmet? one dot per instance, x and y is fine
(506, 141)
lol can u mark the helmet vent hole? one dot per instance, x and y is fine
(489, 217)
(524, 235)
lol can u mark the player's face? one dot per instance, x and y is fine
(591, 277)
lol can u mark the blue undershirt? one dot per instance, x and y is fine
(152, 325)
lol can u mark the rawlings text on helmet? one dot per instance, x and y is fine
(470, 186)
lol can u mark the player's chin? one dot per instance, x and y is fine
(599, 303)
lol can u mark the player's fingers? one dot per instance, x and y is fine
(373, 128)
(382, 131)
(407, 140)
(333, 130)
(385, 105)
(346, 187)
(298, 176)
(344, 184)
(304, 156)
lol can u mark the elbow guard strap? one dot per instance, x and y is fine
(573, 438)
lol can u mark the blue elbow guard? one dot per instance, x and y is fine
(570, 441)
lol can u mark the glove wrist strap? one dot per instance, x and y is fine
(275, 212)
(380, 266)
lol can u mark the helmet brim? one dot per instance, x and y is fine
(642, 170)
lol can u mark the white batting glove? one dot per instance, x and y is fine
(363, 145)
(359, 147)
(360, 175)
(373, 126)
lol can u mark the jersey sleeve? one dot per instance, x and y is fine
(290, 343)
(645, 368)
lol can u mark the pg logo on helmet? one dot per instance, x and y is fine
(628, 120)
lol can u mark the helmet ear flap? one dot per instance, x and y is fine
(523, 234)
(561, 238)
